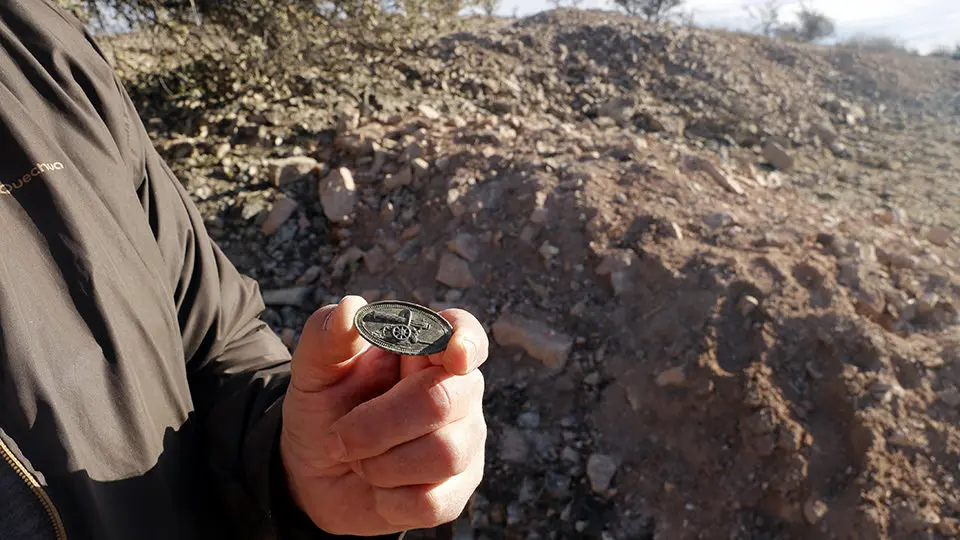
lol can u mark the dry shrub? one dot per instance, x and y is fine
(215, 50)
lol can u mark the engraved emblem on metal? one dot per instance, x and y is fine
(403, 328)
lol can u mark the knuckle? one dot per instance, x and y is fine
(439, 401)
(477, 382)
(431, 511)
(449, 458)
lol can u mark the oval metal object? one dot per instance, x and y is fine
(403, 328)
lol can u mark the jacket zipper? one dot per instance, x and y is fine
(36, 488)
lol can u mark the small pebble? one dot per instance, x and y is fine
(529, 420)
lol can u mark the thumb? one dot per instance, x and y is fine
(328, 345)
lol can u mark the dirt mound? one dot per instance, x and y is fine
(728, 262)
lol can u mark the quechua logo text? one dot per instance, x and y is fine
(37, 170)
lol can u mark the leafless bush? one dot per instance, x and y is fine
(812, 25)
(652, 10)
(767, 16)
(946, 52)
(489, 7)
(884, 44)
(223, 49)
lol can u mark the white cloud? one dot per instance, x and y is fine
(923, 24)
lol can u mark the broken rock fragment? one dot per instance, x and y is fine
(403, 177)
(777, 156)
(291, 296)
(617, 265)
(291, 169)
(348, 257)
(428, 112)
(536, 338)
(338, 195)
(714, 172)
(375, 260)
(939, 236)
(465, 245)
(279, 214)
(825, 132)
(601, 469)
(455, 272)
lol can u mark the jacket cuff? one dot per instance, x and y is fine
(287, 520)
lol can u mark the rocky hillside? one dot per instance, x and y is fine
(720, 271)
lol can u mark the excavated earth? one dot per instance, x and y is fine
(720, 272)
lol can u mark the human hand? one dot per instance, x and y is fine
(375, 443)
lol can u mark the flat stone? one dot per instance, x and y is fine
(777, 156)
(539, 215)
(466, 246)
(528, 234)
(548, 251)
(570, 455)
(896, 259)
(536, 338)
(403, 177)
(616, 265)
(927, 303)
(884, 217)
(310, 275)
(601, 469)
(529, 420)
(455, 272)
(905, 440)
(282, 209)
(825, 132)
(718, 176)
(338, 195)
(672, 377)
(719, 220)
(619, 109)
(375, 260)
(939, 236)
(291, 169)
(411, 153)
(849, 273)
(420, 169)
(348, 257)
(290, 296)
(428, 112)
(514, 447)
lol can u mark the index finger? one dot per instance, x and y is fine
(328, 342)
(468, 347)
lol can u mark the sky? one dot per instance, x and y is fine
(921, 24)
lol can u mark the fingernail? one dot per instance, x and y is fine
(332, 446)
(470, 349)
(327, 319)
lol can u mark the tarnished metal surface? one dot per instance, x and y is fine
(403, 328)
